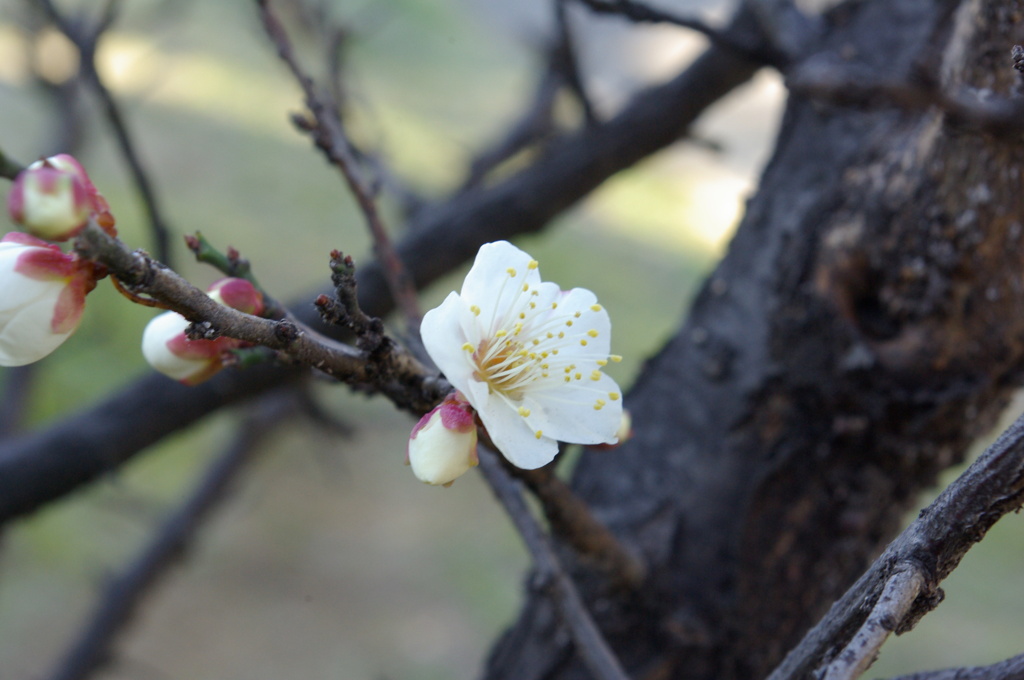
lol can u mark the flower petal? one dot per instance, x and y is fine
(585, 411)
(514, 437)
(444, 332)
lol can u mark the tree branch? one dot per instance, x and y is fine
(328, 133)
(86, 41)
(895, 601)
(124, 593)
(550, 575)
(931, 546)
(1011, 669)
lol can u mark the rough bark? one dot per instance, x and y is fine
(863, 329)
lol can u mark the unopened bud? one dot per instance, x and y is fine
(442, 446)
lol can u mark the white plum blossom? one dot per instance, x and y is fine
(528, 356)
(42, 296)
(442, 446)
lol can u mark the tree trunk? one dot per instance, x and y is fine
(862, 331)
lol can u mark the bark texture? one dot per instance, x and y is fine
(863, 329)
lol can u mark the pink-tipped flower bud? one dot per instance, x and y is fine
(49, 202)
(53, 198)
(442, 446)
(42, 299)
(237, 294)
(171, 352)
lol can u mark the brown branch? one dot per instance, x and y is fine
(573, 521)
(932, 545)
(899, 594)
(397, 373)
(328, 133)
(598, 657)
(86, 41)
(124, 593)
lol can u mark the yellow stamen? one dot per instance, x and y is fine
(511, 272)
(532, 265)
(583, 342)
(524, 412)
(475, 310)
(468, 347)
(615, 358)
(595, 375)
(596, 308)
(538, 434)
(592, 333)
(599, 404)
(614, 396)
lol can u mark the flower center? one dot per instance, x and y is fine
(504, 365)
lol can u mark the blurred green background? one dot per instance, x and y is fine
(330, 560)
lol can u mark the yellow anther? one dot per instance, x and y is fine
(475, 310)
(595, 375)
(614, 396)
(511, 272)
(550, 335)
(615, 358)
(500, 334)
(535, 341)
(599, 404)
(554, 351)
(543, 374)
(534, 292)
(568, 379)
(468, 347)
(545, 366)
(532, 265)
(569, 322)
(583, 342)
(533, 305)
(596, 308)
(592, 333)
(522, 315)
(578, 376)
(602, 362)
(544, 355)
(561, 334)
(538, 434)
(524, 412)
(526, 287)
(578, 314)
(554, 305)
(568, 369)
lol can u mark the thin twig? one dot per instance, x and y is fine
(640, 13)
(597, 656)
(1011, 669)
(86, 41)
(125, 592)
(573, 521)
(564, 59)
(892, 607)
(933, 544)
(328, 133)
